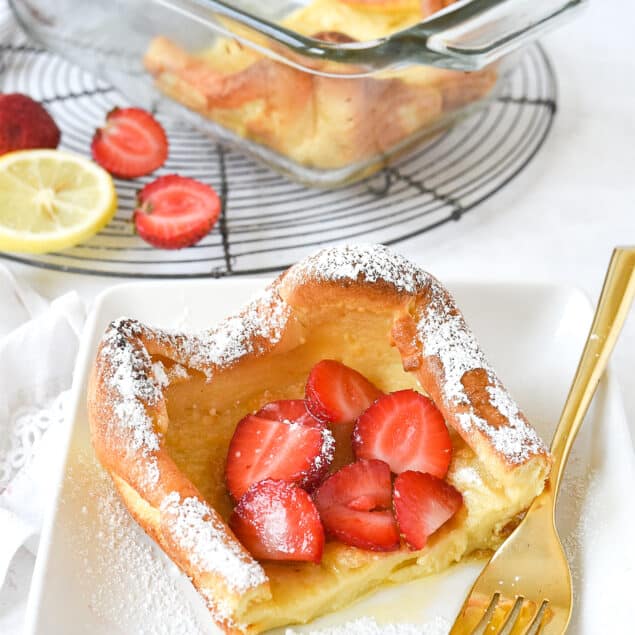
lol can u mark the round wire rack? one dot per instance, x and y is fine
(268, 222)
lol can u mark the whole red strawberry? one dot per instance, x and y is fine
(25, 124)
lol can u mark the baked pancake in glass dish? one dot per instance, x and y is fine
(319, 121)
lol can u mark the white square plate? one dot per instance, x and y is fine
(98, 573)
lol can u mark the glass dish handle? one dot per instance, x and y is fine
(470, 34)
(467, 35)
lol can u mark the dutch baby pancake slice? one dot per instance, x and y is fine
(343, 431)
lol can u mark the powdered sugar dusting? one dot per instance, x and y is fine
(369, 263)
(467, 475)
(204, 538)
(324, 459)
(277, 525)
(445, 335)
(258, 326)
(127, 582)
(131, 389)
(280, 513)
(178, 372)
(160, 375)
(220, 610)
(517, 439)
(368, 626)
(579, 500)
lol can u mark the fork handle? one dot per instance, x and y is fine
(613, 306)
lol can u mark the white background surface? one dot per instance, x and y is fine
(558, 220)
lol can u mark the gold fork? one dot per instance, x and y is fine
(526, 586)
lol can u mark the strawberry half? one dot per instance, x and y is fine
(132, 143)
(407, 431)
(289, 411)
(25, 124)
(336, 393)
(423, 503)
(354, 505)
(275, 520)
(175, 211)
(264, 448)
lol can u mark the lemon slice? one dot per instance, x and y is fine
(51, 200)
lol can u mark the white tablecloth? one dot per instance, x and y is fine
(558, 221)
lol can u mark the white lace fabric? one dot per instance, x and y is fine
(38, 345)
(20, 436)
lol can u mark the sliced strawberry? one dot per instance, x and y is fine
(132, 143)
(264, 448)
(288, 411)
(175, 211)
(354, 505)
(336, 393)
(422, 504)
(407, 431)
(275, 520)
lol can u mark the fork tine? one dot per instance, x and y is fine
(534, 624)
(487, 616)
(475, 614)
(471, 624)
(511, 617)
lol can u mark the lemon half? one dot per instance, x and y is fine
(50, 200)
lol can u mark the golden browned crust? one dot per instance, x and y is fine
(128, 415)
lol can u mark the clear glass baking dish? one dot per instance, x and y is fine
(324, 91)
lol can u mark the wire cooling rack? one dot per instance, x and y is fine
(268, 222)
